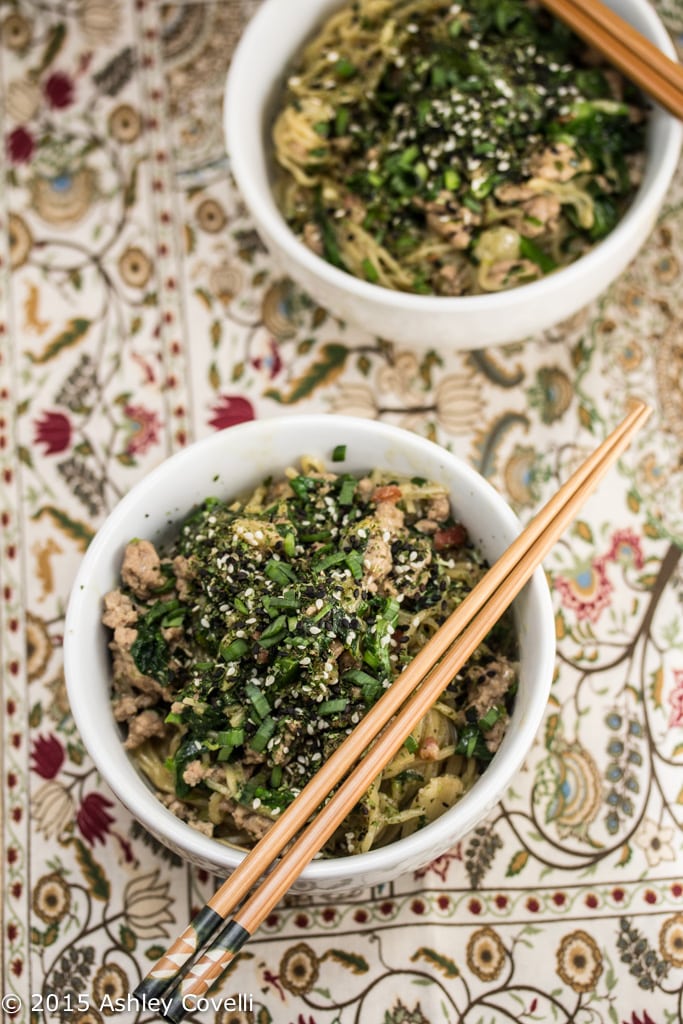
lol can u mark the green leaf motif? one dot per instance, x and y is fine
(54, 45)
(552, 728)
(583, 530)
(363, 365)
(73, 528)
(518, 863)
(430, 362)
(155, 952)
(216, 332)
(204, 296)
(214, 376)
(444, 963)
(75, 753)
(92, 872)
(25, 456)
(264, 1016)
(321, 373)
(127, 938)
(46, 938)
(74, 332)
(130, 192)
(355, 964)
(305, 346)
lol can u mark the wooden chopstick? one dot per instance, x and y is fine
(631, 52)
(231, 938)
(168, 971)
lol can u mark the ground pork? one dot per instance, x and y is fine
(145, 725)
(254, 824)
(127, 707)
(127, 677)
(194, 773)
(119, 610)
(377, 563)
(486, 690)
(182, 567)
(141, 569)
(389, 516)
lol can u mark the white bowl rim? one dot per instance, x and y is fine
(141, 800)
(241, 69)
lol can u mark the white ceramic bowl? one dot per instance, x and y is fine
(229, 463)
(271, 41)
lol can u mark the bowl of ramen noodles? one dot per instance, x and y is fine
(445, 174)
(250, 599)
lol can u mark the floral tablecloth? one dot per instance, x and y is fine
(139, 311)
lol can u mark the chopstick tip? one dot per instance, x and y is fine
(638, 405)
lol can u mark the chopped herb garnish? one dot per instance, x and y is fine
(345, 69)
(534, 253)
(234, 650)
(291, 611)
(370, 271)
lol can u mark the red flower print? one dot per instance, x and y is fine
(48, 756)
(231, 409)
(59, 90)
(54, 431)
(145, 427)
(626, 547)
(440, 865)
(20, 146)
(271, 362)
(587, 591)
(93, 818)
(635, 1019)
(676, 700)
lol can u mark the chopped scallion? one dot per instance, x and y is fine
(234, 650)
(262, 735)
(331, 707)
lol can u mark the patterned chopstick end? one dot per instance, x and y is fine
(189, 995)
(169, 970)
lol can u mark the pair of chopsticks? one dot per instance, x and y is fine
(629, 51)
(178, 982)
